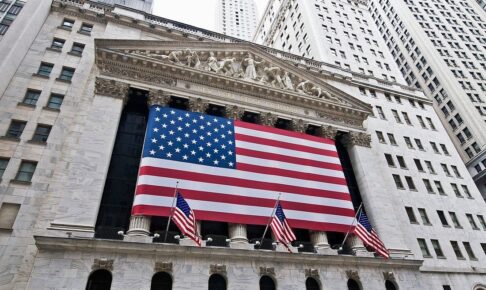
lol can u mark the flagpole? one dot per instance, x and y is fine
(270, 219)
(171, 211)
(355, 217)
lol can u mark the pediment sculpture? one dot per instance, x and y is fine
(247, 68)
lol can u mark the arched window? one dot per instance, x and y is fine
(161, 281)
(389, 285)
(217, 282)
(353, 285)
(99, 280)
(311, 284)
(266, 283)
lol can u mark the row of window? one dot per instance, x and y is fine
(13, 11)
(85, 28)
(17, 127)
(418, 164)
(45, 70)
(76, 48)
(428, 186)
(32, 96)
(25, 172)
(410, 145)
(397, 99)
(443, 219)
(455, 247)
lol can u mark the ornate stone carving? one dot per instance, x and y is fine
(217, 269)
(158, 97)
(103, 263)
(235, 112)
(358, 139)
(389, 276)
(298, 125)
(111, 88)
(163, 267)
(313, 273)
(268, 271)
(142, 74)
(352, 275)
(328, 132)
(198, 105)
(268, 119)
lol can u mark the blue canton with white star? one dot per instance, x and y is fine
(190, 137)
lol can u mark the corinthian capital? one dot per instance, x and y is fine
(358, 139)
(111, 88)
(198, 105)
(158, 97)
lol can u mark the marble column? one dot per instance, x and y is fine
(356, 244)
(321, 244)
(139, 225)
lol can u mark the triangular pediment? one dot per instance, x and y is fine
(245, 63)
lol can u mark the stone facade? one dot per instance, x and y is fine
(52, 244)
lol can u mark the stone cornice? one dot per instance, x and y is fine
(168, 252)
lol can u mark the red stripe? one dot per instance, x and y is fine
(289, 173)
(286, 145)
(240, 219)
(282, 132)
(242, 200)
(231, 181)
(286, 158)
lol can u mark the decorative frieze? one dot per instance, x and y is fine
(103, 263)
(217, 269)
(267, 271)
(111, 88)
(163, 267)
(158, 97)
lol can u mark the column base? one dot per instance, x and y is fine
(323, 250)
(190, 243)
(138, 239)
(241, 245)
(362, 252)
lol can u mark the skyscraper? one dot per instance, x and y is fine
(440, 47)
(237, 18)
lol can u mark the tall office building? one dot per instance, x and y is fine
(440, 47)
(74, 106)
(8, 12)
(237, 18)
(482, 3)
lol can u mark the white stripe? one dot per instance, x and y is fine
(250, 176)
(289, 166)
(286, 152)
(284, 138)
(143, 199)
(242, 191)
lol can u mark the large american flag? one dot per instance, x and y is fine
(184, 218)
(368, 235)
(281, 228)
(232, 171)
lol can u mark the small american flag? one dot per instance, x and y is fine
(185, 219)
(281, 229)
(368, 235)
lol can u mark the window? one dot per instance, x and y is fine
(466, 191)
(41, 133)
(380, 112)
(437, 249)
(408, 142)
(419, 144)
(57, 43)
(424, 216)
(429, 166)
(424, 248)
(410, 183)
(3, 166)
(406, 118)
(469, 251)
(456, 190)
(380, 136)
(421, 121)
(471, 220)
(443, 219)
(431, 124)
(99, 280)
(16, 128)
(418, 164)
(396, 116)
(482, 221)
(77, 48)
(411, 215)
(26, 171)
(483, 245)
(398, 181)
(457, 250)
(445, 169)
(389, 160)
(434, 147)
(266, 283)
(391, 137)
(311, 284)
(428, 186)
(161, 280)
(86, 28)
(456, 171)
(45, 69)
(55, 101)
(401, 162)
(216, 282)
(66, 74)
(67, 23)
(31, 97)
(455, 220)
(8, 214)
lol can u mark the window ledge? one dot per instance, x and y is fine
(75, 54)
(7, 138)
(65, 28)
(40, 76)
(36, 142)
(428, 257)
(84, 32)
(22, 182)
(51, 109)
(442, 257)
(54, 49)
(6, 230)
(63, 80)
(22, 104)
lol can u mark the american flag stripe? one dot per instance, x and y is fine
(304, 169)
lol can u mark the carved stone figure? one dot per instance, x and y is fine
(226, 66)
(192, 59)
(288, 81)
(173, 56)
(212, 63)
(315, 91)
(301, 87)
(250, 70)
(273, 76)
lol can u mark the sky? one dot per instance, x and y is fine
(200, 13)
